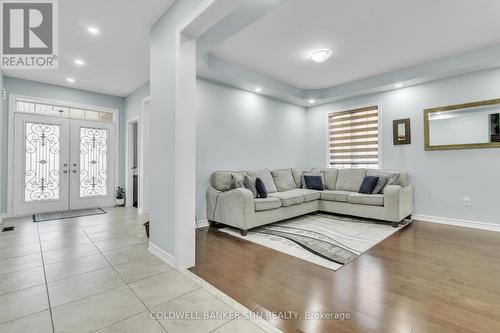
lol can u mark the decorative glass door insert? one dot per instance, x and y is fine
(42, 162)
(93, 162)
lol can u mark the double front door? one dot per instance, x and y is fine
(62, 164)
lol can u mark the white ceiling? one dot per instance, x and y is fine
(367, 37)
(117, 61)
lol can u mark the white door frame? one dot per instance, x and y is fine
(144, 154)
(129, 160)
(10, 137)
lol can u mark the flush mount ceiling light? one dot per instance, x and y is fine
(312, 101)
(93, 30)
(320, 55)
(70, 80)
(398, 85)
(258, 89)
(79, 62)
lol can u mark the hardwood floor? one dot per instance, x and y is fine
(425, 278)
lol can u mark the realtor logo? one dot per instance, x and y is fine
(29, 34)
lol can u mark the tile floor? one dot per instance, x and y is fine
(95, 274)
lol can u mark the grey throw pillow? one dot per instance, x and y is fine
(237, 180)
(393, 179)
(250, 185)
(382, 180)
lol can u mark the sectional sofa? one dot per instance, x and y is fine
(287, 198)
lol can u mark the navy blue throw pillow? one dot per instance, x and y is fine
(368, 185)
(261, 188)
(314, 183)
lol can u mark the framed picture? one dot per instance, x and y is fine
(401, 133)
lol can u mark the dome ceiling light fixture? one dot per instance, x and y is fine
(320, 55)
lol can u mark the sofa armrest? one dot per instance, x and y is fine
(234, 207)
(398, 202)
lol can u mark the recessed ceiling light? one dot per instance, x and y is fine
(93, 30)
(320, 55)
(79, 62)
(70, 80)
(258, 89)
(312, 101)
(398, 85)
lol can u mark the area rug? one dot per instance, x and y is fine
(327, 240)
(67, 214)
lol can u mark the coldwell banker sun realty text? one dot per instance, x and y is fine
(29, 34)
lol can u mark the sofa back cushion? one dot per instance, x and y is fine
(267, 179)
(350, 179)
(402, 180)
(222, 180)
(297, 174)
(283, 179)
(331, 176)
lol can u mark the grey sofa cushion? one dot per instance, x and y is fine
(382, 180)
(288, 198)
(336, 195)
(267, 204)
(403, 175)
(350, 179)
(222, 180)
(249, 183)
(312, 172)
(297, 176)
(283, 180)
(308, 195)
(330, 178)
(366, 199)
(267, 179)
(237, 180)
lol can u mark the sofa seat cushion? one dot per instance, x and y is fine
(366, 199)
(288, 198)
(336, 195)
(308, 195)
(267, 204)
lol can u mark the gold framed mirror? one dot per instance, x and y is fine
(463, 126)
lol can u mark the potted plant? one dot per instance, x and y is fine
(120, 196)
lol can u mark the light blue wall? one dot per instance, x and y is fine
(240, 130)
(133, 102)
(163, 78)
(3, 150)
(441, 178)
(43, 90)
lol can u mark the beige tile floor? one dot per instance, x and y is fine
(95, 274)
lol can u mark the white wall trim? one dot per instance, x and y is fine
(457, 222)
(202, 223)
(166, 257)
(144, 157)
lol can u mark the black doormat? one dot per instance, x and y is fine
(67, 214)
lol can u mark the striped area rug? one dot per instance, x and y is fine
(327, 240)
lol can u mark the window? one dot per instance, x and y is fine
(29, 106)
(353, 138)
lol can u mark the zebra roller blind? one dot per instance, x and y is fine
(353, 138)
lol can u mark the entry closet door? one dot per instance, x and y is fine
(41, 153)
(92, 157)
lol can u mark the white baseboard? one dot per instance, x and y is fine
(457, 222)
(166, 257)
(202, 223)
